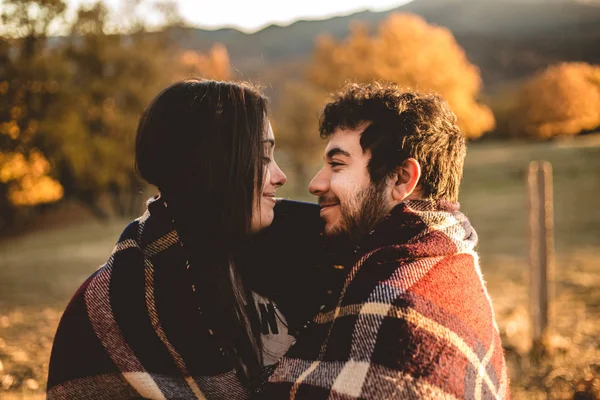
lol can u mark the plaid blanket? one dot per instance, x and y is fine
(134, 330)
(413, 319)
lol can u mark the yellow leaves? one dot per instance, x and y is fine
(13, 166)
(19, 356)
(32, 384)
(6, 381)
(29, 183)
(410, 52)
(214, 65)
(25, 348)
(562, 100)
(11, 129)
(191, 57)
(16, 113)
(38, 164)
(4, 87)
(35, 190)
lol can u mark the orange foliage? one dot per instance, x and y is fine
(409, 51)
(29, 183)
(214, 65)
(562, 100)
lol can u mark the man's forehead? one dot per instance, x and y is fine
(346, 139)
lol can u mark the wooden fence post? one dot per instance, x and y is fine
(541, 251)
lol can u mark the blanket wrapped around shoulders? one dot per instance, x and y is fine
(135, 328)
(413, 319)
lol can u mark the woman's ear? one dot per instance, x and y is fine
(406, 181)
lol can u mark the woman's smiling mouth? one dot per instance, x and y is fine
(269, 196)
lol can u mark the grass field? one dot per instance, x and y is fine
(40, 271)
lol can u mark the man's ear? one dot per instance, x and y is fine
(406, 181)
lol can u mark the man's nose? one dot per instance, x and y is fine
(319, 184)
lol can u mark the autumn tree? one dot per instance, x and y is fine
(564, 99)
(29, 74)
(114, 76)
(92, 131)
(412, 53)
(213, 65)
(69, 109)
(406, 50)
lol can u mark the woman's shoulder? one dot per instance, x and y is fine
(131, 231)
(127, 239)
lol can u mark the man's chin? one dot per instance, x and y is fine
(334, 230)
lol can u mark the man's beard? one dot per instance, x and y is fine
(360, 215)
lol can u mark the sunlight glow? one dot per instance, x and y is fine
(250, 16)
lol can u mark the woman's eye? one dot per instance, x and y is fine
(267, 160)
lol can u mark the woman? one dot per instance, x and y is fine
(170, 315)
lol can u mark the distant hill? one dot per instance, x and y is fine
(507, 39)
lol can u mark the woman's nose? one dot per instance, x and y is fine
(278, 178)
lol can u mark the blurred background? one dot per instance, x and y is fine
(523, 76)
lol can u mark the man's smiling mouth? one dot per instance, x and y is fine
(328, 206)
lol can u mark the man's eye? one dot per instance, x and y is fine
(334, 164)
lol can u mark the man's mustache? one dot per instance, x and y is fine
(328, 200)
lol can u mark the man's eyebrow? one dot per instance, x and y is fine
(336, 151)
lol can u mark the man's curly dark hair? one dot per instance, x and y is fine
(402, 124)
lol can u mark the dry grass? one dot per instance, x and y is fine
(569, 360)
(494, 197)
(38, 274)
(40, 271)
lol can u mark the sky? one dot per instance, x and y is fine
(252, 15)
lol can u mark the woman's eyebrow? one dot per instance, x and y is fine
(270, 141)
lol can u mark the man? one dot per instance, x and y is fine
(412, 318)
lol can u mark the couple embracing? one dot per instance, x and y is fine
(223, 291)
